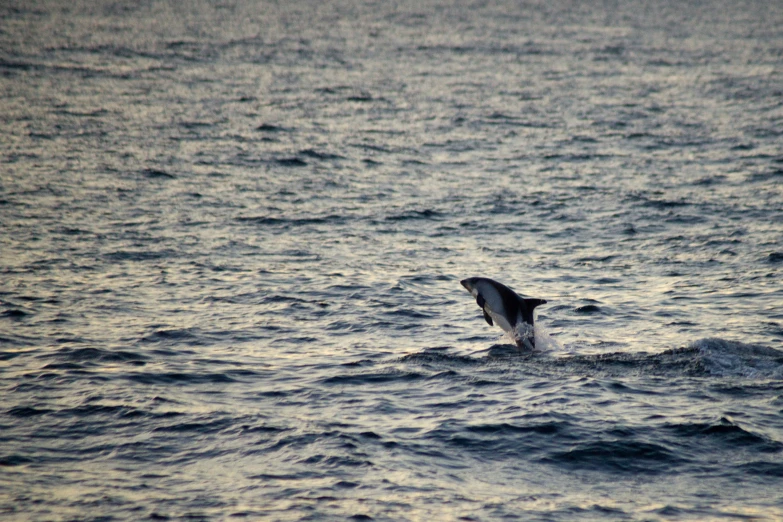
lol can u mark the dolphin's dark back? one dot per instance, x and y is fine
(514, 303)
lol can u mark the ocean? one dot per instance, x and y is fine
(232, 234)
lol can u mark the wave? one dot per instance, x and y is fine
(271, 221)
(729, 358)
(619, 456)
(711, 357)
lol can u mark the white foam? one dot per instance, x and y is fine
(545, 342)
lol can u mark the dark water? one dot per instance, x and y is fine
(233, 234)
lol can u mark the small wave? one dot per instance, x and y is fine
(545, 428)
(138, 255)
(291, 162)
(706, 357)
(650, 200)
(410, 314)
(267, 127)
(87, 410)
(439, 356)
(157, 174)
(735, 359)
(335, 461)
(728, 433)
(775, 257)
(20, 66)
(292, 221)
(362, 98)
(618, 455)
(14, 460)
(415, 215)
(196, 124)
(14, 313)
(27, 411)
(311, 153)
(172, 335)
(201, 427)
(588, 309)
(180, 378)
(95, 355)
(772, 175)
(765, 469)
(374, 378)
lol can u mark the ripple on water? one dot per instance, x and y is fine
(232, 242)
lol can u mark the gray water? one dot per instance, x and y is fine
(232, 234)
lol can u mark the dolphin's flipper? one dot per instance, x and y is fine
(487, 317)
(480, 301)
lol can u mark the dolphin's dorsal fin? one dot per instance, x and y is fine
(532, 303)
(487, 317)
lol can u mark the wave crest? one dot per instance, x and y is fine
(735, 359)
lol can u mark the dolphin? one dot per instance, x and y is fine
(505, 307)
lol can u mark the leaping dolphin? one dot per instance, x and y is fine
(505, 307)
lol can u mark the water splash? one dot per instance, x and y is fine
(545, 342)
(524, 332)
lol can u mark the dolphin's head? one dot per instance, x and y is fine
(470, 285)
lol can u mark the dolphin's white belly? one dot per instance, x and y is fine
(493, 304)
(500, 320)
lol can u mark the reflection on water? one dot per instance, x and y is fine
(233, 235)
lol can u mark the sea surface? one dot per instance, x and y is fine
(232, 234)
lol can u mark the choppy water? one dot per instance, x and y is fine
(233, 234)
